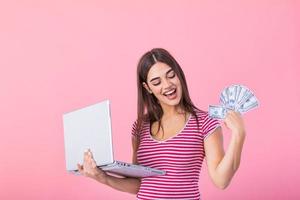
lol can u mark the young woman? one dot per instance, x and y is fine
(172, 134)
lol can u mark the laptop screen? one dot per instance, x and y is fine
(88, 128)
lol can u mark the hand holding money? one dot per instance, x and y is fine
(235, 97)
(235, 123)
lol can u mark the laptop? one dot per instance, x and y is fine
(90, 128)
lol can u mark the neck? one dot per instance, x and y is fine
(170, 111)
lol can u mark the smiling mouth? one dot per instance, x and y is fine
(170, 93)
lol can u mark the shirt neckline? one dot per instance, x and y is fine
(168, 139)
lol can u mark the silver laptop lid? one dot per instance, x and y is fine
(88, 127)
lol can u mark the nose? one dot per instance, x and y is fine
(166, 84)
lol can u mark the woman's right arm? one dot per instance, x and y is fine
(135, 146)
(130, 185)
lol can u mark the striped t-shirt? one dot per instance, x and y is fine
(181, 156)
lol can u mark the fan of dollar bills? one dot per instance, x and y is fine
(235, 97)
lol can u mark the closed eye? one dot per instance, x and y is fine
(171, 76)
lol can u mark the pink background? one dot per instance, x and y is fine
(56, 56)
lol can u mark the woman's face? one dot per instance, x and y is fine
(164, 84)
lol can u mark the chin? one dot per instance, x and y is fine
(174, 102)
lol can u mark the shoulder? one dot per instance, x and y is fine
(201, 114)
(207, 124)
(138, 126)
(134, 128)
(136, 122)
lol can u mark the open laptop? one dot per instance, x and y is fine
(90, 128)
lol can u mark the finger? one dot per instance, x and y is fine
(86, 155)
(91, 154)
(80, 168)
(233, 113)
(230, 112)
(94, 164)
(228, 120)
(228, 116)
(236, 116)
(239, 115)
(86, 152)
(88, 162)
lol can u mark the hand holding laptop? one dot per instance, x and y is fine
(90, 128)
(89, 168)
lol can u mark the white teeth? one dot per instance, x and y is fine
(167, 93)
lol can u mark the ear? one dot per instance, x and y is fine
(147, 87)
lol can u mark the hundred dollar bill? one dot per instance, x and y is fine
(231, 94)
(218, 112)
(234, 97)
(238, 92)
(249, 104)
(223, 98)
(241, 93)
(248, 95)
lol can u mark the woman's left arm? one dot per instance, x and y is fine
(223, 165)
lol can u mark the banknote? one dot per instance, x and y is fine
(249, 104)
(231, 94)
(235, 97)
(216, 111)
(223, 98)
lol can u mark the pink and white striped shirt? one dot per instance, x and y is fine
(180, 156)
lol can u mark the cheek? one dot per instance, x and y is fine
(156, 91)
(177, 82)
(179, 86)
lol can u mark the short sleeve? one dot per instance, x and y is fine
(134, 129)
(209, 125)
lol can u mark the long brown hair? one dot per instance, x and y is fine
(148, 108)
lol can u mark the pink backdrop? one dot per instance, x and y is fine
(59, 55)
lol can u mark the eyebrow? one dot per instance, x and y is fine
(158, 77)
